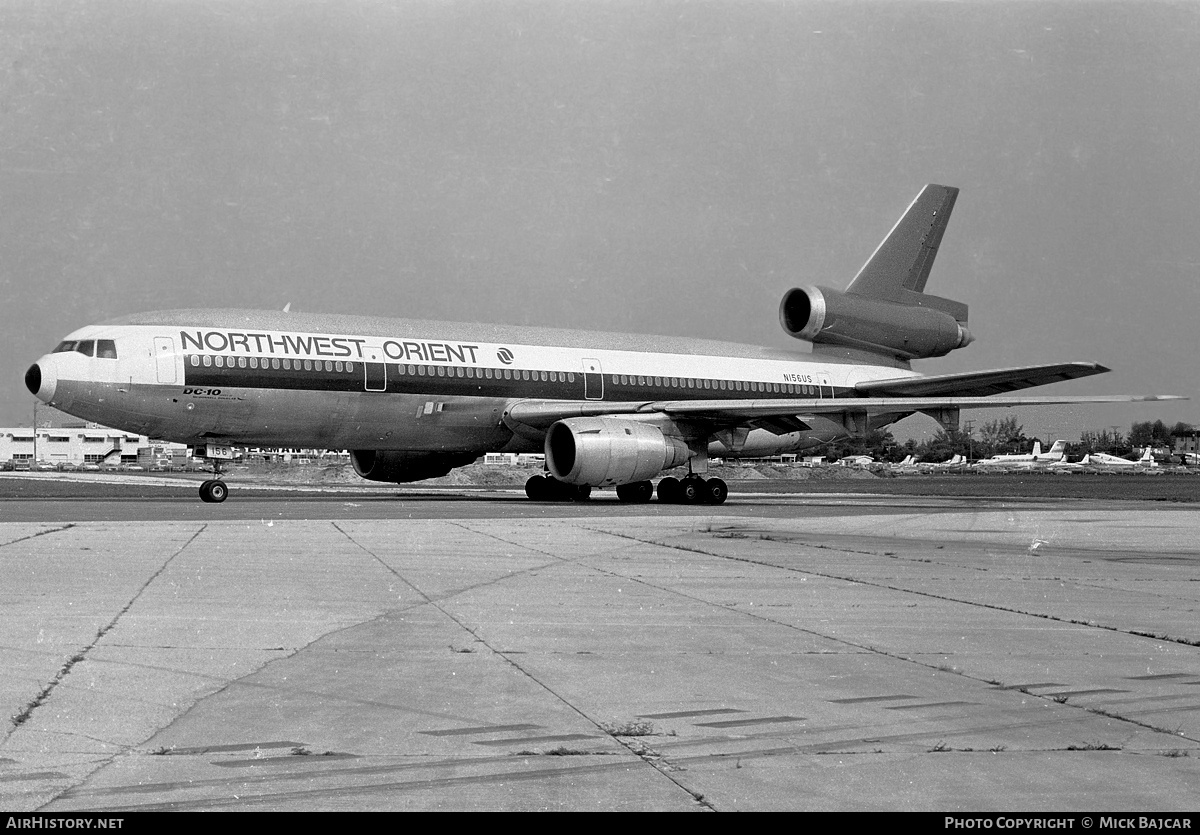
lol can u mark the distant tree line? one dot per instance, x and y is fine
(1005, 436)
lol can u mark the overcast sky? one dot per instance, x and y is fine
(663, 167)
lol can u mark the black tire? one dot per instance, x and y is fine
(715, 491)
(205, 496)
(691, 490)
(218, 491)
(636, 492)
(668, 490)
(583, 492)
(535, 488)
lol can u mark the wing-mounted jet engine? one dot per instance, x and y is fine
(885, 310)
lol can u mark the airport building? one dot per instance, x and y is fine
(59, 441)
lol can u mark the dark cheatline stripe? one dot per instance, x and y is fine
(370, 377)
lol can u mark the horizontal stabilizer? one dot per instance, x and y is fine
(979, 383)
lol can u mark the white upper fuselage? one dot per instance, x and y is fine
(287, 379)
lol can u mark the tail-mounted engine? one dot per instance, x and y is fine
(603, 451)
(907, 331)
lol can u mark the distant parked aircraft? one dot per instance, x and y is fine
(1105, 461)
(1028, 460)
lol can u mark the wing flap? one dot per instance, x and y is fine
(979, 383)
(543, 413)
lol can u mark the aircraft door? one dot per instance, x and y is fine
(374, 371)
(593, 380)
(164, 358)
(826, 388)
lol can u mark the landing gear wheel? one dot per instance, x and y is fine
(213, 491)
(535, 488)
(636, 492)
(691, 490)
(542, 488)
(715, 491)
(668, 490)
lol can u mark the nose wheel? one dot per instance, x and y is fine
(214, 491)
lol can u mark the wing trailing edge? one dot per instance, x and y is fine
(979, 383)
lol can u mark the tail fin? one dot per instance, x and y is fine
(1037, 448)
(899, 267)
(1059, 448)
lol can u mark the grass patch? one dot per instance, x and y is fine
(635, 728)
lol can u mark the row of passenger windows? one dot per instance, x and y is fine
(487, 373)
(339, 366)
(208, 360)
(712, 385)
(288, 364)
(105, 349)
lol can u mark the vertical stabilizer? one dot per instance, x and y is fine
(899, 267)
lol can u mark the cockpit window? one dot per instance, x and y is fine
(102, 348)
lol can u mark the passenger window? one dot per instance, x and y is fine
(106, 349)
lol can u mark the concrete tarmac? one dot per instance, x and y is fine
(482, 652)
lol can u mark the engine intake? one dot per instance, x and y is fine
(401, 466)
(604, 451)
(822, 315)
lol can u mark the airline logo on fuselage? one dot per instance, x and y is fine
(353, 347)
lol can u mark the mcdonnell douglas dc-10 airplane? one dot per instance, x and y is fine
(413, 399)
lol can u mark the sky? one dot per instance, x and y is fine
(667, 167)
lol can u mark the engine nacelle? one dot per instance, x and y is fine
(400, 466)
(603, 451)
(819, 314)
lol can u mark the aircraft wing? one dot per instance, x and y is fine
(979, 383)
(542, 413)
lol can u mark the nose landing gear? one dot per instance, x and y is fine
(214, 490)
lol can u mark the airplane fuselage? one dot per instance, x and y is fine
(345, 382)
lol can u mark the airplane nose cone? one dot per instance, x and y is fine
(33, 379)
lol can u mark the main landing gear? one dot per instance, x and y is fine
(692, 489)
(544, 488)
